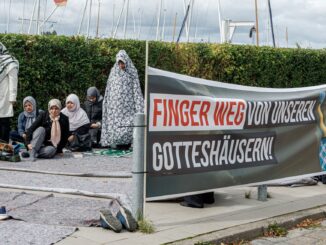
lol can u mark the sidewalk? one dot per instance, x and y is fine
(232, 213)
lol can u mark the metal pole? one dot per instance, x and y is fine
(271, 18)
(98, 17)
(42, 24)
(140, 18)
(113, 9)
(89, 17)
(158, 20)
(82, 19)
(8, 18)
(138, 166)
(126, 21)
(190, 18)
(257, 29)
(163, 28)
(38, 17)
(116, 28)
(219, 19)
(262, 193)
(183, 23)
(32, 17)
(185, 10)
(22, 28)
(174, 26)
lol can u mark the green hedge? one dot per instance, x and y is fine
(54, 66)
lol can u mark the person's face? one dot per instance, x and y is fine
(28, 107)
(91, 98)
(70, 106)
(122, 65)
(54, 111)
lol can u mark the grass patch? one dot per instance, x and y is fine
(145, 226)
(275, 230)
(248, 194)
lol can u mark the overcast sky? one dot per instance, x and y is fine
(305, 20)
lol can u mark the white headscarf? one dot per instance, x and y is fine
(6, 60)
(77, 116)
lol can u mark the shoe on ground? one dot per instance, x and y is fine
(25, 154)
(33, 155)
(126, 219)
(108, 221)
(3, 213)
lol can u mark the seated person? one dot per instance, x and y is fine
(48, 134)
(93, 108)
(25, 119)
(78, 125)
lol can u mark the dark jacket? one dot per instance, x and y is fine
(22, 122)
(94, 110)
(43, 120)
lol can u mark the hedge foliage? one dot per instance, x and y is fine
(54, 66)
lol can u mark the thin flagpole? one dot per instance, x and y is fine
(89, 18)
(82, 19)
(32, 17)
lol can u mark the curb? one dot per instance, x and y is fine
(250, 231)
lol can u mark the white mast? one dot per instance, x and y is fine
(89, 17)
(22, 27)
(185, 10)
(126, 21)
(32, 17)
(163, 28)
(82, 19)
(192, 2)
(140, 17)
(158, 20)
(38, 17)
(219, 19)
(118, 22)
(98, 17)
(113, 10)
(8, 17)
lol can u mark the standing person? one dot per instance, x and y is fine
(78, 124)
(122, 100)
(25, 119)
(93, 107)
(49, 133)
(8, 90)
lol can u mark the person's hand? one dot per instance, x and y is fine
(13, 103)
(24, 136)
(30, 147)
(94, 125)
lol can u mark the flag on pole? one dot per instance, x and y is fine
(60, 2)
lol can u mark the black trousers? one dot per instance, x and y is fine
(4, 129)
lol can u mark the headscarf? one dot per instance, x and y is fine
(130, 68)
(93, 91)
(55, 128)
(77, 116)
(5, 60)
(30, 116)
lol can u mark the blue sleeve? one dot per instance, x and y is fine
(21, 124)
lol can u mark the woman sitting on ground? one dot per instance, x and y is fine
(48, 134)
(79, 138)
(25, 119)
(93, 108)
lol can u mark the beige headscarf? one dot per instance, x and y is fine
(55, 129)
